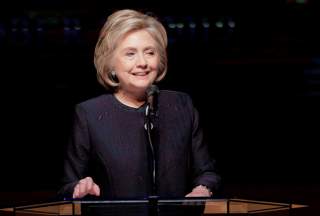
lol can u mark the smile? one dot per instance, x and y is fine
(140, 73)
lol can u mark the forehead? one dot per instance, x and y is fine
(138, 38)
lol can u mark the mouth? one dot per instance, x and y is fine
(142, 73)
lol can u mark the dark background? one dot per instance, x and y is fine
(251, 67)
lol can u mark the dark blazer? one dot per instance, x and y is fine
(109, 144)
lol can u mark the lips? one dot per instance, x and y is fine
(143, 73)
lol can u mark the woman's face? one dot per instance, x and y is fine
(136, 62)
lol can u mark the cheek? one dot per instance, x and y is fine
(154, 64)
(125, 65)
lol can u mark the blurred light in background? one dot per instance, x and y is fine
(297, 1)
(219, 24)
(41, 29)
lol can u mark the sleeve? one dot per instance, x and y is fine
(77, 154)
(204, 169)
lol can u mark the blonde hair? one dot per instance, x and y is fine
(116, 27)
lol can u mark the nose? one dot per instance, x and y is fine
(142, 61)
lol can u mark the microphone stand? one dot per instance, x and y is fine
(149, 126)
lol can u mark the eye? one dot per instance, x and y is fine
(151, 52)
(129, 54)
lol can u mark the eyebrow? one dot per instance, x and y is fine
(134, 48)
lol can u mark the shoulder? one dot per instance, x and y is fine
(175, 97)
(176, 101)
(95, 103)
(178, 106)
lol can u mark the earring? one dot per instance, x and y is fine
(114, 76)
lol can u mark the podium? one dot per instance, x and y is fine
(155, 207)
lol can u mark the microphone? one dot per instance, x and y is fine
(152, 93)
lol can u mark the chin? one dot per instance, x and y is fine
(143, 83)
(140, 87)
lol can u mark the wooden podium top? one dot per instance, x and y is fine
(211, 206)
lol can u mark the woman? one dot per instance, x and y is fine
(108, 155)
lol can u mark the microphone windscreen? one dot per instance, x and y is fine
(153, 89)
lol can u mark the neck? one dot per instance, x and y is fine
(130, 100)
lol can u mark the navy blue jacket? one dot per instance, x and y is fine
(109, 143)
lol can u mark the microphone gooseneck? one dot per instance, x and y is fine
(151, 95)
